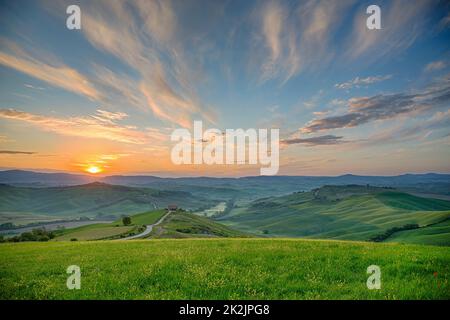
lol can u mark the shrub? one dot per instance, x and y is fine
(7, 226)
(34, 235)
(391, 231)
(126, 221)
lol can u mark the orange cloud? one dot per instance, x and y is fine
(100, 126)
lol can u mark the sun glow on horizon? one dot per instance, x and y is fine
(94, 169)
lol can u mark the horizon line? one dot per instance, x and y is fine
(154, 175)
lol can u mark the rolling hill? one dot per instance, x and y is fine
(264, 206)
(96, 232)
(436, 234)
(337, 212)
(185, 225)
(179, 224)
(91, 200)
(113, 230)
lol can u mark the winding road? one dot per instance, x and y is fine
(148, 229)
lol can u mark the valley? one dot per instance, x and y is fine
(251, 206)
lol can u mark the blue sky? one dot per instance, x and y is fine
(346, 99)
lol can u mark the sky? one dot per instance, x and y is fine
(106, 98)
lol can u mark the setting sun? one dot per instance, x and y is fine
(93, 169)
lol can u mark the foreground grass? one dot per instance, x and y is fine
(223, 269)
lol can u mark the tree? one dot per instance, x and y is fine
(126, 221)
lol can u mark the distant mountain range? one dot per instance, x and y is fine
(261, 185)
(39, 179)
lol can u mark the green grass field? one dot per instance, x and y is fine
(223, 269)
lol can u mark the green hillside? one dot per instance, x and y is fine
(113, 230)
(337, 212)
(96, 232)
(95, 199)
(185, 225)
(176, 225)
(145, 218)
(437, 234)
(223, 269)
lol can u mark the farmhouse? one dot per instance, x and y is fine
(172, 207)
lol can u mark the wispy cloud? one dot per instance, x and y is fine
(320, 20)
(420, 131)
(297, 37)
(102, 125)
(281, 51)
(107, 116)
(56, 74)
(358, 82)
(402, 22)
(314, 100)
(445, 22)
(167, 104)
(30, 86)
(16, 152)
(435, 65)
(315, 141)
(4, 139)
(385, 106)
(149, 45)
(122, 89)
